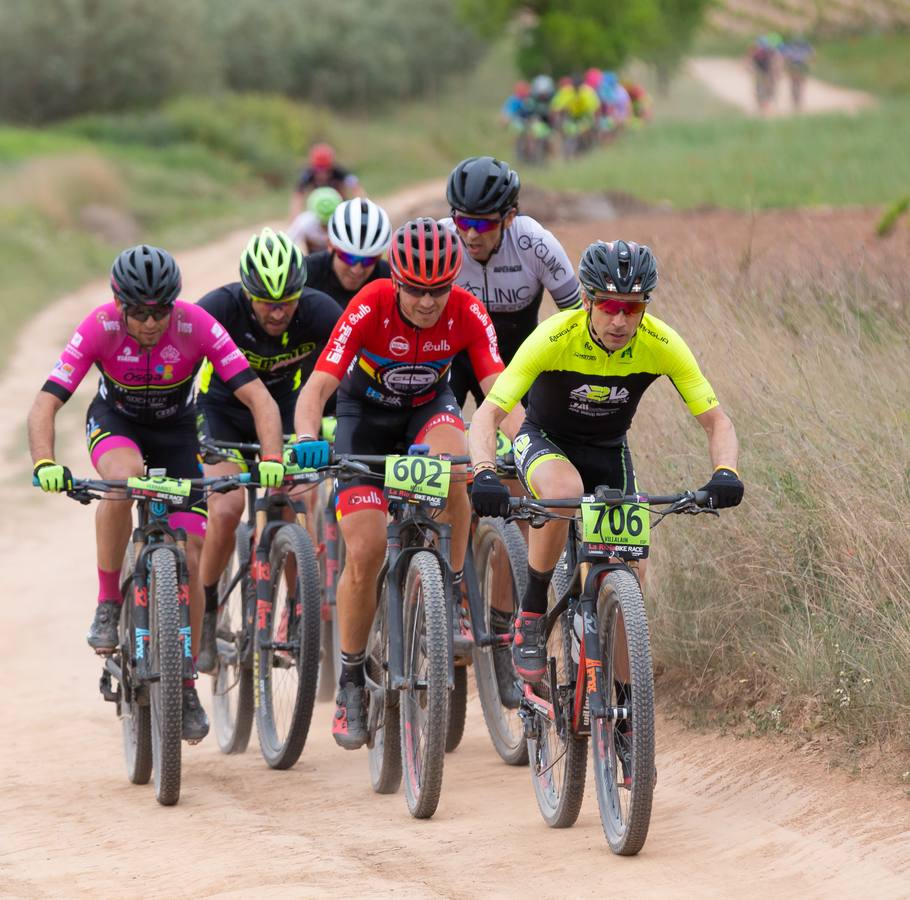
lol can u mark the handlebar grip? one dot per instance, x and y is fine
(702, 498)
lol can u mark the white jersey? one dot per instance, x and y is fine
(512, 281)
(309, 232)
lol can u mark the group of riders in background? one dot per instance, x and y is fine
(573, 114)
(770, 57)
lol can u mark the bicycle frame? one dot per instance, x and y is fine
(580, 598)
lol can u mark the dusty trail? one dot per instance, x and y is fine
(732, 80)
(731, 818)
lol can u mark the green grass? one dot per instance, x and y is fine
(748, 163)
(879, 63)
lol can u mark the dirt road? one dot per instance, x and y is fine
(731, 818)
(732, 80)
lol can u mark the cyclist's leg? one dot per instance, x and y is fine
(115, 454)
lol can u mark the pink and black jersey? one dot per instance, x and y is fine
(147, 386)
(381, 358)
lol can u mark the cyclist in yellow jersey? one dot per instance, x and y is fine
(585, 372)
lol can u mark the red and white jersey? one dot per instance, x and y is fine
(381, 358)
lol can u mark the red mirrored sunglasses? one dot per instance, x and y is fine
(611, 306)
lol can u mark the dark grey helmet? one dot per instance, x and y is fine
(483, 185)
(146, 275)
(618, 267)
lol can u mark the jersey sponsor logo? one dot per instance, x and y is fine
(282, 360)
(597, 399)
(234, 354)
(63, 371)
(164, 371)
(72, 351)
(399, 346)
(217, 330)
(221, 341)
(562, 333)
(493, 343)
(362, 310)
(128, 355)
(659, 337)
(184, 327)
(409, 379)
(108, 324)
(373, 394)
(517, 268)
(76, 340)
(438, 347)
(549, 258)
(589, 356)
(167, 413)
(170, 354)
(520, 447)
(338, 342)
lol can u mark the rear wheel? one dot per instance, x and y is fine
(135, 715)
(558, 757)
(287, 649)
(501, 561)
(383, 726)
(165, 661)
(424, 703)
(623, 748)
(232, 686)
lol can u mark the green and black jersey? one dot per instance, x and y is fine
(580, 393)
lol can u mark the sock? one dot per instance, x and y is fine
(500, 621)
(535, 598)
(352, 669)
(109, 587)
(458, 578)
(188, 683)
(211, 597)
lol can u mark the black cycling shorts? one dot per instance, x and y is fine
(609, 465)
(217, 420)
(170, 445)
(369, 429)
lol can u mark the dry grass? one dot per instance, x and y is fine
(59, 187)
(794, 608)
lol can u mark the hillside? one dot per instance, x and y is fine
(745, 18)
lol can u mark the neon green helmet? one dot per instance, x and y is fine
(272, 267)
(322, 202)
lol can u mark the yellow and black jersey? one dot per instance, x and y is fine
(580, 393)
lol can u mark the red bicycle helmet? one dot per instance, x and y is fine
(322, 156)
(424, 254)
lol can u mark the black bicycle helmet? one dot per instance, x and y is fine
(618, 267)
(145, 275)
(482, 185)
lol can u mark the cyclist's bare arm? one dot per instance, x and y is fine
(311, 402)
(41, 425)
(722, 443)
(255, 395)
(511, 422)
(482, 435)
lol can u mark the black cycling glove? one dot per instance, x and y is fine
(489, 495)
(724, 489)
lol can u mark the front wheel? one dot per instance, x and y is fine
(424, 702)
(232, 686)
(287, 648)
(558, 757)
(623, 747)
(165, 661)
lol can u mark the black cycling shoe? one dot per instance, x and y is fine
(506, 676)
(103, 636)
(208, 650)
(529, 646)
(349, 724)
(195, 721)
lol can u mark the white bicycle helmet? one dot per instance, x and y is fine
(360, 227)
